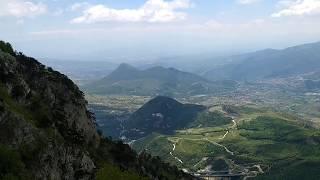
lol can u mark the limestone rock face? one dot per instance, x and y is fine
(43, 116)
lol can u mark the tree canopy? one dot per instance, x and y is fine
(6, 47)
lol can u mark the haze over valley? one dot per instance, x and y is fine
(231, 116)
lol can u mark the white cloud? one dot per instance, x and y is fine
(79, 5)
(298, 8)
(247, 1)
(151, 11)
(285, 3)
(19, 8)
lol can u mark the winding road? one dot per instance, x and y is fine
(245, 170)
(171, 153)
(224, 135)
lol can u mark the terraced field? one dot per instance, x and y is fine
(255, 143)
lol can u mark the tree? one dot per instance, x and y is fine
(6, 47)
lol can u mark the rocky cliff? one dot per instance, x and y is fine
(43, 117)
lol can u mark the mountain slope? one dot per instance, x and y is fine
(270, 63)
(155, 81)
(163, 115)
(46, 131)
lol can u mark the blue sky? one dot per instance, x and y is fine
(128, 29)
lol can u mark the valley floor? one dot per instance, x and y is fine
(259, 141)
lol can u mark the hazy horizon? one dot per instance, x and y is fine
(138, 30)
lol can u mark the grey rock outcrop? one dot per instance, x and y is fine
(43, 116)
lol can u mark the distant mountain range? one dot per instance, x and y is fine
(158, 80)
(270, 63)
(163, 115)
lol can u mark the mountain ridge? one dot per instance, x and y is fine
(155, 81)
(270, 63)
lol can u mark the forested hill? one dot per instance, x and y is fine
(162, 115)
(128, 80)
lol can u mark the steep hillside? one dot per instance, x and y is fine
(46, 131)
(158, 80)
(270, 63)
(163, 115)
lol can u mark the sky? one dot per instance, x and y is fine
(142, 29)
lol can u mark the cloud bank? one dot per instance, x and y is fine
(151, 11)
(20, 9)
(245, 2)
(299, 8)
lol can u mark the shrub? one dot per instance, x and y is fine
(11, 166)
(6, 47)
(18, 91)
(113, 172)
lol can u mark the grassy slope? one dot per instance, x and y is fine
(276, 142)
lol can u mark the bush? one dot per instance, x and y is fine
(11, 166)
(211, 119)
(6, 47)
(112, 172)
(18, 91)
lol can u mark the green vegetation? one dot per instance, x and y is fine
(297, 170)
(11, 165)
(121, 162)
(238, 110)
(112, 172)
(163, 115)
(6, 47)
(156, 144)
(211, 119)
(276, 143)
(36, 113)
(13, 105)
(275, 129)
